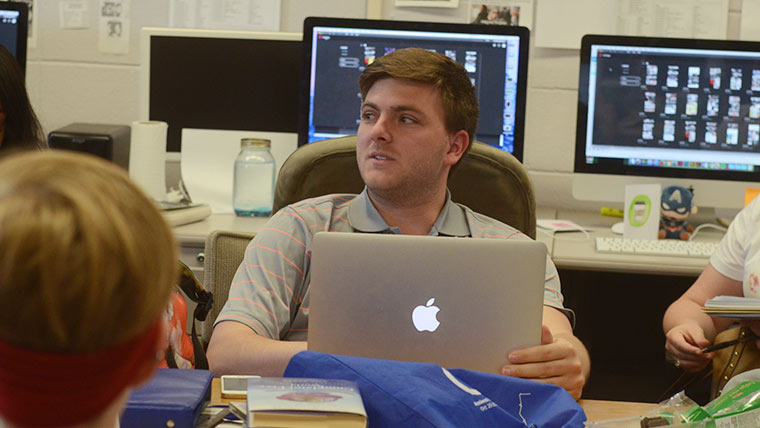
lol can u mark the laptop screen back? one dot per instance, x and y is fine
(457, 302)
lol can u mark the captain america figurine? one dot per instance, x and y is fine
(676, 205)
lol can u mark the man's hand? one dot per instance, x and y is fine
(557, 361)
(684, 343)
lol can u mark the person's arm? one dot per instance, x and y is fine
(258, 313)
(236, 349)
(687, 328)
(561, 359)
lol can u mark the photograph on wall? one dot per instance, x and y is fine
(259, 15)
(502, 12)
(495, 15)
(73, 14)
(113, 34)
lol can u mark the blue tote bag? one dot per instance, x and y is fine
(426, 395)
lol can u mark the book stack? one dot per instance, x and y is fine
(733, 307)
(300, 402)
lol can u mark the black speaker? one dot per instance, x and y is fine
(106, 141)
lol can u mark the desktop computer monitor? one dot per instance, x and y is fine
(219, 79)
(668, 111)
(337, 50)
(14, 25)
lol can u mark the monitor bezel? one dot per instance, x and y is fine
(618, 168)
(148, 33)
(522, 73)
(22, 31)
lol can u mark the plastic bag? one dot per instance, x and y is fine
(426, 395)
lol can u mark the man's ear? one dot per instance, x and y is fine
(457, 146)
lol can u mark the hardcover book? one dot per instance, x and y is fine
(302, 402)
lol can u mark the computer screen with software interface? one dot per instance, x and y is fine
(668, 109)
(338, 50)
(14, 26)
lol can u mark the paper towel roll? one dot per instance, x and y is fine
(147, 157)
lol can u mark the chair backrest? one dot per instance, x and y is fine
(224, 253)
(489, 180)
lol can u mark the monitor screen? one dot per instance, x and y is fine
(336, 51)
(669, 108)
(218, 79)
(14, 25)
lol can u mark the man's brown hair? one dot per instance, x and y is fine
(460, 105)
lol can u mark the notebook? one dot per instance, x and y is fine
(457, 302)
(172, 397)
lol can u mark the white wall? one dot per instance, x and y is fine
(70, 81)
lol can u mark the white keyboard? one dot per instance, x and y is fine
(657, 247)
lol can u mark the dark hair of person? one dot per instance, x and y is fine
(460, 104)
(22, 128)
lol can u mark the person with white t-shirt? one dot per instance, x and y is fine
(734, 270)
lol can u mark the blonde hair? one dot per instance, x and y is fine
(86, 259)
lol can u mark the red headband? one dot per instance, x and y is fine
(45, 389)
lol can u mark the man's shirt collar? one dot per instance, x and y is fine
(364, 217)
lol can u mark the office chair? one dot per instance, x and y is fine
(489, 180)
(224, 253)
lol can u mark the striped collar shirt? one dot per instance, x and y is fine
(270, 291)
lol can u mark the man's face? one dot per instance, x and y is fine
(403, 148)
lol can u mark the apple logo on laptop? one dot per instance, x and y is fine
(424, 317)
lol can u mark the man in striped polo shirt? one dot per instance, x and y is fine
(418, 114)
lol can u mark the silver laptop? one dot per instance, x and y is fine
(457, 302)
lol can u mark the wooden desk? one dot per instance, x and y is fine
(596, 410)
